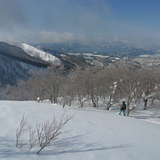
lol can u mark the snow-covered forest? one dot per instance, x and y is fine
(105, 86)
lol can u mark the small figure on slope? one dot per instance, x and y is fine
(123, 108)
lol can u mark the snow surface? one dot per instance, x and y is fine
(39, 53)
(95, 134)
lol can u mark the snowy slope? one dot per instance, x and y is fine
(40, 54)
(95, 135)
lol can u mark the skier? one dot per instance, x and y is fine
(123, 108)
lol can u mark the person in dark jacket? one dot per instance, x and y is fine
(123, 108)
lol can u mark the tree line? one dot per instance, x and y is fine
(108, 84)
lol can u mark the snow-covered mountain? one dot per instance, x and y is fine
(16, 53)
(33, 51)
(15, 64)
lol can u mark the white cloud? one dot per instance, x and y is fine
(56, 37)
(42, 37)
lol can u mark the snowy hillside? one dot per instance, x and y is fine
(40, 54)
(95, 134)
(11, 70)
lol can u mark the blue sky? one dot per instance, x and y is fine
(86, 21)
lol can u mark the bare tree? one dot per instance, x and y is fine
(21, 131)
(77, 79)
(49, 132)
(67, 90)
(32, 138)
(130, 86)
(93, 84)
(45, 133)
(148, 82)
(52, 84)
(36, 87)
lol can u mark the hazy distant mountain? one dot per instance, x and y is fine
(54, 56)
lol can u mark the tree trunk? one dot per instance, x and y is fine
(145, 102)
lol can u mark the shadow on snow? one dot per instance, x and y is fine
(74, 144)
(77, 144)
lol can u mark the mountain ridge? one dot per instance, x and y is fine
(17, 53)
